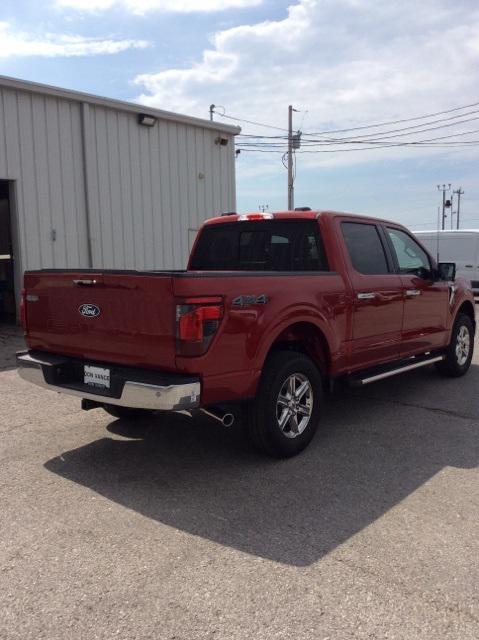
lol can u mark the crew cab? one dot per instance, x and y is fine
(271, 310)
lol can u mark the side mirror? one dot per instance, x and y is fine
(423, 273)
(446, 270)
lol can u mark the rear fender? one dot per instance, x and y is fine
(279, 333)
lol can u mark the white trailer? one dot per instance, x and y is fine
(460, 246)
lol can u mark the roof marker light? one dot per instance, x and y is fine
(256, 216)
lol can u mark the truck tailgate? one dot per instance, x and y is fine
(119, 317)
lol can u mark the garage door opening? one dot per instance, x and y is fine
(7, 286)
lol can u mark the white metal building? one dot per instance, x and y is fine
(90, 182)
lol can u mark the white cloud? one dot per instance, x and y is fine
(20, 44)
(348, 62)
(140, 7)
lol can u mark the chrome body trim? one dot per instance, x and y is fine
(173, 397)
(394, 372)
(366, 296)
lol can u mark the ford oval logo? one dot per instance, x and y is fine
(89, 310)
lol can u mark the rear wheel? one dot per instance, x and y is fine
(126, 413)
(284, 417)
(459, 352)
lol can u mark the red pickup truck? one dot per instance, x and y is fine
(272, 309)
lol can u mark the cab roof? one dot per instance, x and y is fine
(291, 215)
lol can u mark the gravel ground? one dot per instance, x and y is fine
(173, 529)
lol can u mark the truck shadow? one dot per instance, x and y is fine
(376, 446)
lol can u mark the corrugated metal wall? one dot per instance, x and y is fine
(150, 186)
(83, 169)
(41, 149)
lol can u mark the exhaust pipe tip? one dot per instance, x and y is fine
(228, 419)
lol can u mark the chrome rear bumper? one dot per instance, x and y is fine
(170, 392)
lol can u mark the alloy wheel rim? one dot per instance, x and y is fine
(294, 405)
(463, 345)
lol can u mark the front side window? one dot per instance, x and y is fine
(365, 248)
(410, 256)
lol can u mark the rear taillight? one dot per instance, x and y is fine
(197, 321)
(23, 311)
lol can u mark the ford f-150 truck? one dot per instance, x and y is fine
(271, 310)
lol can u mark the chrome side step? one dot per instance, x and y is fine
(358, 381)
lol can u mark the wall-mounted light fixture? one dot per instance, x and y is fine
(146, 120)
(221, 141)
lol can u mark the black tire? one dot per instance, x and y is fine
(262, 414)
(126, 413)
(453, 365)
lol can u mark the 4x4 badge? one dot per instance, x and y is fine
(245, 301)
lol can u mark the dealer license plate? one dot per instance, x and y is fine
(96, 376)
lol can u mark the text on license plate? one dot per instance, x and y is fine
(96, 376)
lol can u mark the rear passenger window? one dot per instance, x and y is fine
(365, 248)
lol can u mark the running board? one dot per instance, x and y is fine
(359, 380)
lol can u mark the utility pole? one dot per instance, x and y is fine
(294, 142)
(212, 110)
(443, 189)
(459, 192)
(437, 234)
(263, 207)
(290, 159)
(451, 201)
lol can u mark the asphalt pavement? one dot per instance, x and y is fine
(174, 529)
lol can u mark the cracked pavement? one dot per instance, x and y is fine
(174, 529)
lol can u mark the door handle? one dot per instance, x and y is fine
(413, 292)
(366, 296)
(84, 283)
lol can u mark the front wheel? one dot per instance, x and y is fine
(458, 354)
(283, 418)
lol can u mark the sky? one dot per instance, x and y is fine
(342, 64)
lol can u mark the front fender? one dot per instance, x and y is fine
(461, 297)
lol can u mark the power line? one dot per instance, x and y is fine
(400, 135)
(362, 127)
(409, 145)
(382, 124)
(259, 124)
(428, 142)
(379, 137)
